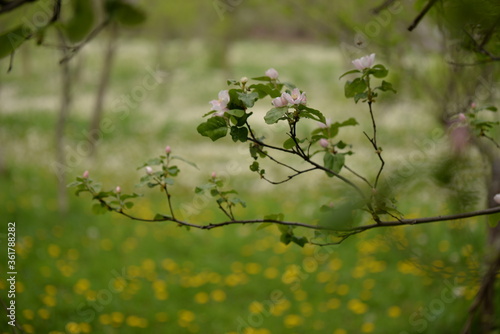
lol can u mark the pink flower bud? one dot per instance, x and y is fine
(462, 117)
(496, 198)
(85, 174)
(214, 175)
(280, 101)
(168, 149)
(272, 73)
(149, 170)
(118, 189)
(324, 143)
(473, 105)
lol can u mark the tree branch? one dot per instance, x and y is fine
(421, 15)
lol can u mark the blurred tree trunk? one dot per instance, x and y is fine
(109, 56)
(66, 88)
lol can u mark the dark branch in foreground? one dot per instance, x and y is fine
(342, 234)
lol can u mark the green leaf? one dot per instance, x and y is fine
(361, 96)
(264, 90)
(357, 86)
(254, 167)
(275, 114)
(236, 112)
(311, 114)
(12, 39)
(214, 128)
(491, 108)
(239, 134)
(237, 200)
(286, 238)
(349, 72)
(73, 184)
(333, 162)
(289, 143)
(129, 205)
(301, 241)
(176, 157)
(248, 99)
(264, 78)
(99, 208)
(378, 71)
(81, 23)
(386, 86)
(263, 226)
(277, 216)
(159, 216)
(126, 13)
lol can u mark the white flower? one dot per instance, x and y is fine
(496, 198)
(295, 97)
(149, 170)
(220, 105)
(118, 190)
(364, 62)
(272, 73)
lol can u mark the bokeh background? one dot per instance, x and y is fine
(79, 272)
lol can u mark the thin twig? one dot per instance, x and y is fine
(421, 15)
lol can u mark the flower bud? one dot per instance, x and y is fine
(85, 174)
(272, 73)
(496, 198)
(244, 80)
(324, 143)
(118, 189)
(462, 117)
(214, 175)
(473, 105)
(168, 149)
(149, 170)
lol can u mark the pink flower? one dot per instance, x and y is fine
(496, 198)
(364, 62)
(324, 143)
(214, 175)
(280, 101)
(118, 189)
(168, 149)
(220, 105)
(85, 174)
(295, 97)
(149, 170)
(462, 118)
(272, 73)
(473, 105)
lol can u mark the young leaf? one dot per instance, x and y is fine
(240, 134)
(349, 72)
(99, 208)
(379, 71)
(248, 99)
(288, 144)
(357, 86)
(275, 114)
(386, 86)
(214, 128)
(333, 162)
(12, 39)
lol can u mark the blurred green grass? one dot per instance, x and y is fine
(209, 282)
